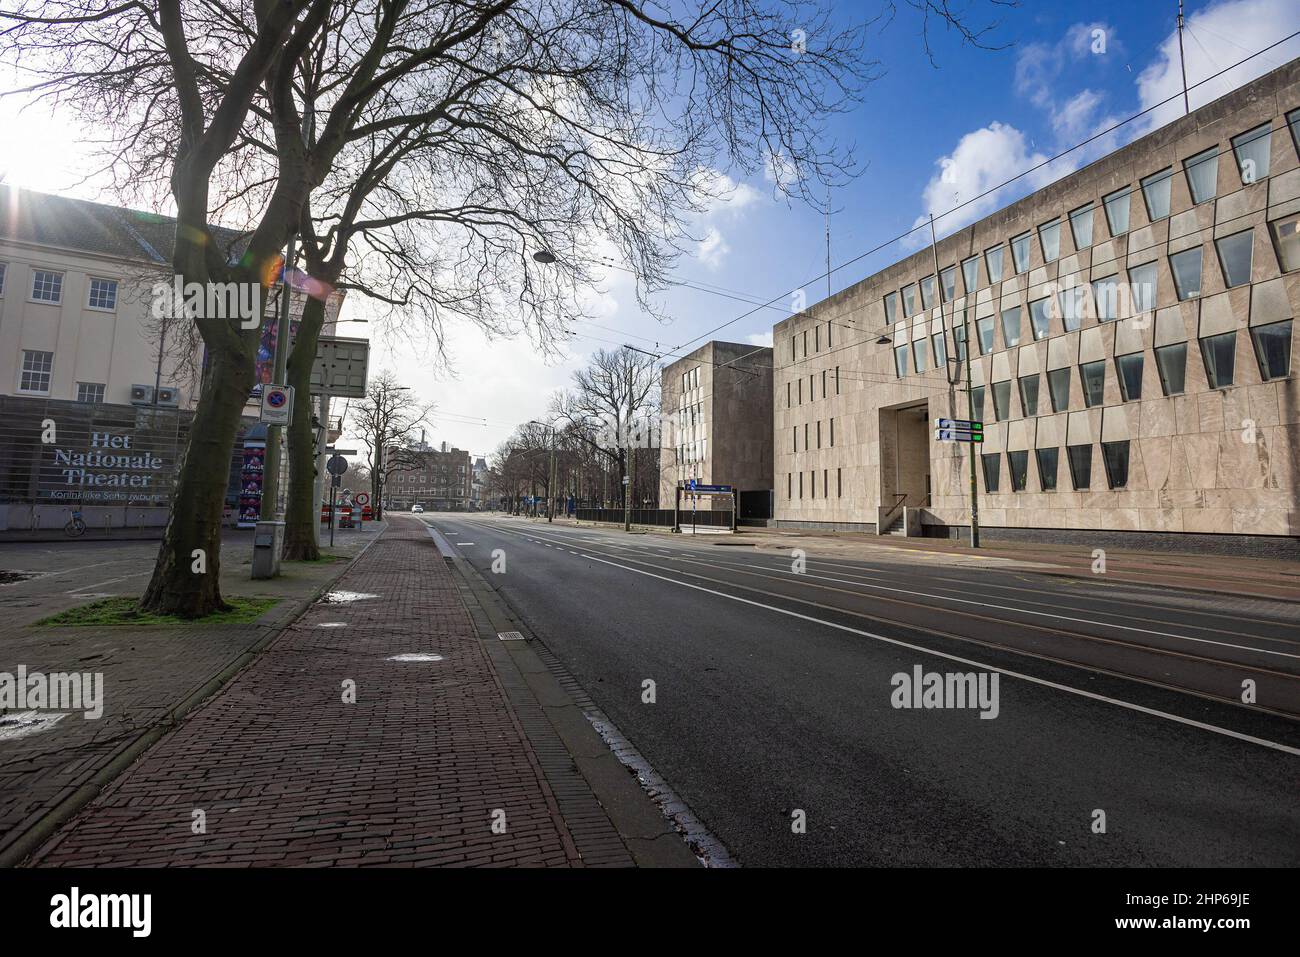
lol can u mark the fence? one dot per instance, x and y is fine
(657, 516)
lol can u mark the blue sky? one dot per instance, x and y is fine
(1068, 70)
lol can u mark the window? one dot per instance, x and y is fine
(1235, 255)
(1117, 211)
(900, 361)
(1129, 369)
(993, 260)
(826, 483)
(817, 339)
(792, 356)
(1047, 462)
(794, 438)
(1093, 377)
(1018, 465)
(1114, 455)
(36, 371)
(788, 393)
(1011, 326)
(1252, 150)
(837, 380)
(1293, 120)
(970, 271)
(47, 286)
(948, 283)
(1029, 394)
(1286, 240)
(1049, 237)
(1071, 301)
(959, 340)
(1186, 267)
(1142, 288)
(828, 334)
(909, 300)
(891, 307)
(92, 392)
(1105, 296)
(1081, 226)
(1220, 354)
(789, 485)
(1203, 175)
(103, 294)
(918, 354)
(1080, 458)
(1002, 400)
(992, 464)
(799, 387)
(832, 433)
(2, 279)
(819, 433)
(927, 292)
(1155, 191)
(801, 484)
(1020, 253)
(1171, 363)
(805, 343)
(1039, 318)
(823, 383)
(1273, 349)
(940, 350)
(1058, 388)
(839, 483)
(977, 402)
(984, 328)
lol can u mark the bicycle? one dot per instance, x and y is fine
(76, 527)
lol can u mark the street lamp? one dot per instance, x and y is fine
(544, 256)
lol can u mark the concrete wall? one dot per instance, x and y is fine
(1223, 460)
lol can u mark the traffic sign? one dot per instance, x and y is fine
(958, 435)
(698, 489)
(362, 498)
(277, 404)
(959, 425)
(337, 465)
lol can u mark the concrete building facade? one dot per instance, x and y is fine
(711, 400)
(1133, 358)
(439, 479)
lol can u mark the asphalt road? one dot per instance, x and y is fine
(775, 693)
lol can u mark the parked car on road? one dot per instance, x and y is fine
(417, 508)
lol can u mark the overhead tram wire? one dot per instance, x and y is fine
(993, 189)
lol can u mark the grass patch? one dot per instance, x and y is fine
(122, 611)
(324, 559)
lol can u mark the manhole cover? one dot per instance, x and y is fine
(416, 656)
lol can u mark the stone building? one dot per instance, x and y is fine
(1133, 360)
(713, 401)
(439, 479)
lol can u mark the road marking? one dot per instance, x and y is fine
(464, 543)
(1142, 709)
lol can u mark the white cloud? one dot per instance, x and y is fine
(760, 338)
(713, 248)
(982, 159)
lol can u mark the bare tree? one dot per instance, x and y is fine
(387, 421)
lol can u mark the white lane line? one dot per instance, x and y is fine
(1010, 608)
(107, 581)
(464, 543)
(1228, 732)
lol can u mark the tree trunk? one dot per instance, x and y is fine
(302, 511)
(194, 525)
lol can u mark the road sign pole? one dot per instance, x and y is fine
(970, 411)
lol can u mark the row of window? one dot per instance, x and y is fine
(47, 286)
(817, 340)
(691, 380)
(790, 478)
(1251, 150)
(1114, 456)
(1106, 297)
(1219, 353)
(38, 370)
(807, 436)
(794, 389)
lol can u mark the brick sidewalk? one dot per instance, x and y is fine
(288, 774)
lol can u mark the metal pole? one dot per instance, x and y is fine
(1182, 60)
(627, 465)
(550, 486)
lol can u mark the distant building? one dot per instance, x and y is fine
(439, 479)
(477, 492)
(1133, 358)
(716, 423)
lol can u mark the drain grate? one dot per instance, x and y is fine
(510, 636)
